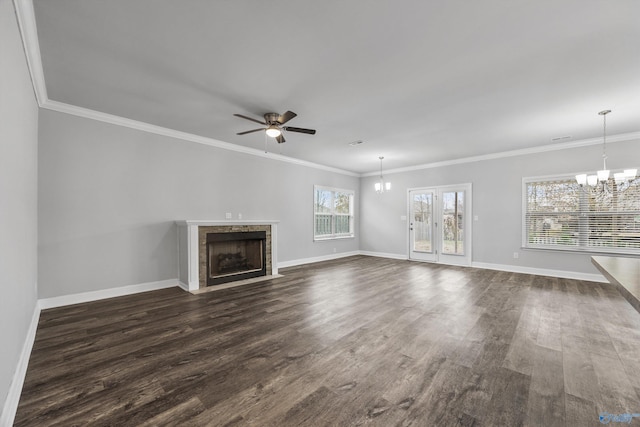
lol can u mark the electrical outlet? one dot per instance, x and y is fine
(516, 255)
(239, 216)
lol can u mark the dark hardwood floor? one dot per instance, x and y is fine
(358, 341)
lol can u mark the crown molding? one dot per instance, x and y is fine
(623, 137)
(26, 17)
(61, 107)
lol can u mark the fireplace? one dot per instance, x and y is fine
(197, 252)
(235, 256)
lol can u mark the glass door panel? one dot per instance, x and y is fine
(421, 225)
(453, 223)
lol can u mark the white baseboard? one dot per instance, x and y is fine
(13, 397)
(541, 272)
(183, 286)
(384, 255)
(329, 257)
(105, 293)
(513, 268)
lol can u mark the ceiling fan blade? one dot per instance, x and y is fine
(249, 118)
(286, 117)
(300, 130)
(280, 139)
(249, 131)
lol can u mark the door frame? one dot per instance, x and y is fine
(461, 260)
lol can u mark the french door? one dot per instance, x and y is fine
(440, 224)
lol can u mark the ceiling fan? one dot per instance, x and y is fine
(273, 123)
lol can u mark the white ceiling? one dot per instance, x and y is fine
(418, 81)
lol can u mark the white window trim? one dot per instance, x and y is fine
(553, 248)
(351, 234)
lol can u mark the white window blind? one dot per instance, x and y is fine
(559, 214)
(333, 213)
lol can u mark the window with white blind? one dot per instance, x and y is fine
(560, 214)
(332, 213)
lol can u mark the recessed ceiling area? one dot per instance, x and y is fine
(419, 81)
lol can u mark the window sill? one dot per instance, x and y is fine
(322, 239)
(590, 251)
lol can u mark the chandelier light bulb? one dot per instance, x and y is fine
(603, 175)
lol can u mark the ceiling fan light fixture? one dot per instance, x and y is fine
(273, 131)
(274, 126)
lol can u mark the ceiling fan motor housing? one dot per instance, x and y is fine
(272, 118)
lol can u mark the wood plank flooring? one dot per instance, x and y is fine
(357, 341)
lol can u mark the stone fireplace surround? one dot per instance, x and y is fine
(192, 247)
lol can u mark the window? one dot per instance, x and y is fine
(559, 214)
(333, 213)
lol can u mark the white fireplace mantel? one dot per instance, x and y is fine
(188, 247)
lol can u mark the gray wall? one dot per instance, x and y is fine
(18, 192)
(497, 201)
(109, 196)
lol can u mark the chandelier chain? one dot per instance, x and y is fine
(604, 141)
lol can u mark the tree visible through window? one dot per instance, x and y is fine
(453, 222)
(559, 214)
(333, 213)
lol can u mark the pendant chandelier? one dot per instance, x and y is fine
(603, 174)
(382, 186)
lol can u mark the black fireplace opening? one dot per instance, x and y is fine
(236, 256)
